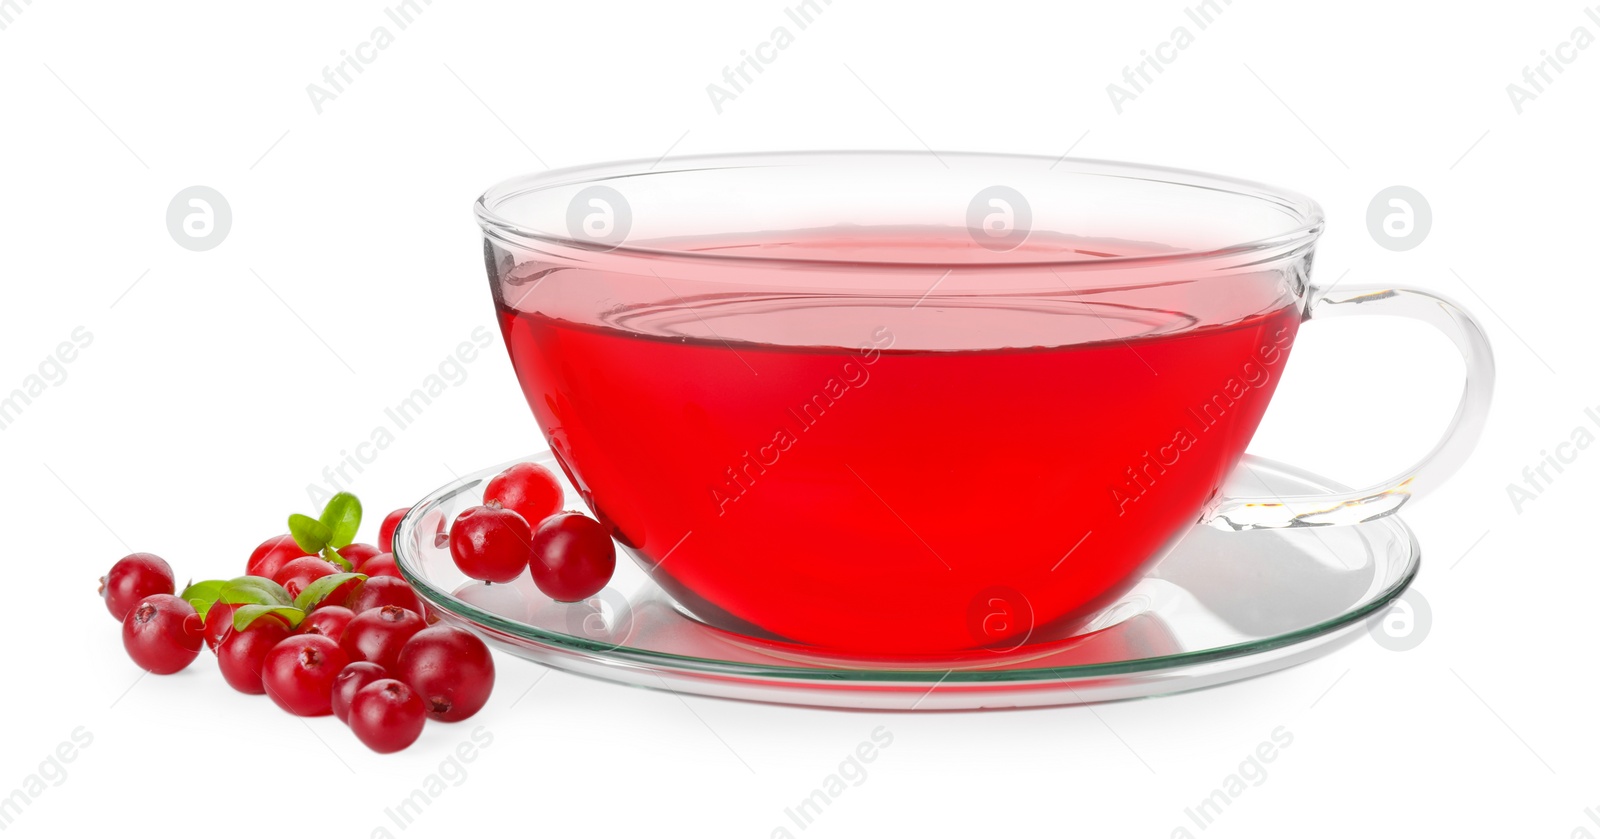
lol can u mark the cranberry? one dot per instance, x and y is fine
(490, 544)
(132, 579)
(219, 623)
(340, 594)
(296, 574)
(384, 591)
(451, 669)
(382, 565)
(355, 676)
(527, 489)
(377, 635)
(573, 557)
(386, 531)
(327, 621)
(271, 555)
(162, 633)
(387, 715)
(358, 552)
(241, 653)
(298, 674)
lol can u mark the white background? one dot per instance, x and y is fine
(218, 385)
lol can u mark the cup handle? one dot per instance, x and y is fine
(1386, 497)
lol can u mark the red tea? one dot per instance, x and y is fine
(969, 460)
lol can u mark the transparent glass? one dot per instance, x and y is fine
(790, 383)
(1220, 607)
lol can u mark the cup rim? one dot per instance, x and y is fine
(1305, 215)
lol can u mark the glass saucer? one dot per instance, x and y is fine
(1221, 607)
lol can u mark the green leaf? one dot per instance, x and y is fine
(254, 590)
(246, 615)
(202, 594)
(314, 594)
(342, 517)
(333, 556)
(311, 535)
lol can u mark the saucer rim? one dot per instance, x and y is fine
(519, 634)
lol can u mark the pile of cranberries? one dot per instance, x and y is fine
(521, 526)
(321, 625)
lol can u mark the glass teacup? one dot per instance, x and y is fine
(903, 404)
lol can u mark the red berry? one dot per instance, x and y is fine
(298, 674)
(162, 634)
(451, 669)
(355, 676)
(270, 555)
(387, 715)
(527, 489)
(296, 574)
(382, 565)
(340, 595)
(386, 531)
(490, 544)
(327, 621)
(377, 635)
(384, 591)
(358, 552)
(241, 653)
(132, 579)
(219, 623)
(573, 557)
